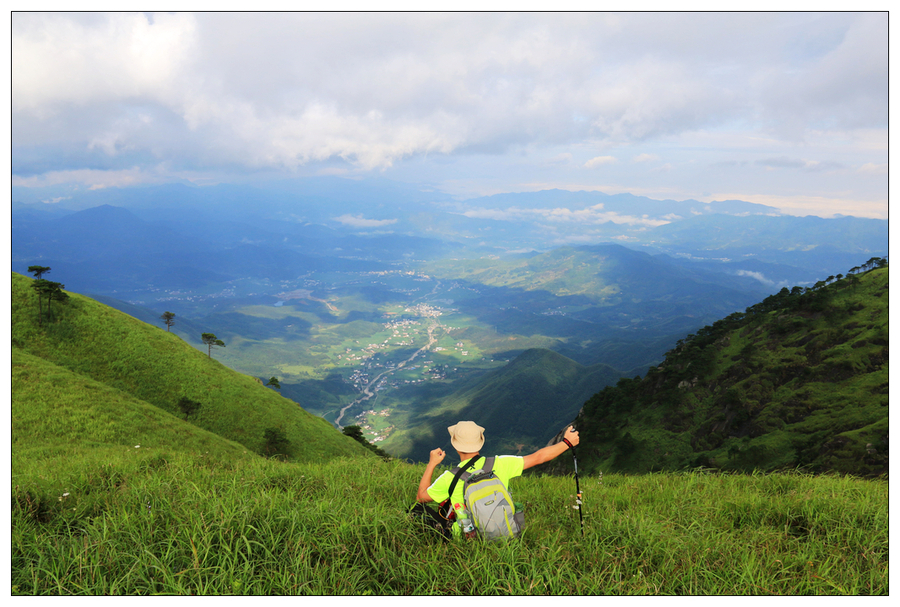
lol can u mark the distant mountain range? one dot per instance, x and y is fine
(176, 235)
(344, 217)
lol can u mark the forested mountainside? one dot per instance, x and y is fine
(799, 380)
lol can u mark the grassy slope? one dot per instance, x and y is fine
(802, 385)
(71, 424)
(261, 527)
(148, 364)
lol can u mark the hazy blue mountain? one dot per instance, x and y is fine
(109, 249)
(625, 204)
(331, 215)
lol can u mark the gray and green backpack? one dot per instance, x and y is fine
(489, 504)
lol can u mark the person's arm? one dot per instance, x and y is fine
(435, 458)
(542, 456)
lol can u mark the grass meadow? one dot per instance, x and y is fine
(145, 522)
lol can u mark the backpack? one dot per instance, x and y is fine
(489, 504)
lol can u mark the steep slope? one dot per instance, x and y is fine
(520, 405)
(149, 365)
(58, 417)
(800, 379)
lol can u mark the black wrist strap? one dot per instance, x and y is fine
(570, 445)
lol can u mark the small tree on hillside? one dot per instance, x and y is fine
(38, 271)
(56, 293)
(273, 381)
(356, 433)
(169, 319)
(211, 340)
(41, 287)
(53, 291)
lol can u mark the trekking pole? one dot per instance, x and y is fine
(577, 488)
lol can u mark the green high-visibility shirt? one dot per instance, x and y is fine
(506, 467)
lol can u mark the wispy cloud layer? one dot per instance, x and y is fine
(358, 221)
(591, 215)
(479, 102)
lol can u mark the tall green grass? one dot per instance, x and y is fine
(154, 523)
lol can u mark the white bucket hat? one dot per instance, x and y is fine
(466, 437)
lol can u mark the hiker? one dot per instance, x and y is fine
(467, 438)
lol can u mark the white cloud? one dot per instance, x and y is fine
(561, 215)
(872, 168)
(756, 275)
(91, 178)
(64, 59)
(358, 221)
(599, 161)
(496, 99)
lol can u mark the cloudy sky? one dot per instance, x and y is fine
(784, 109)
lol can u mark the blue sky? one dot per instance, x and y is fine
(784, 109)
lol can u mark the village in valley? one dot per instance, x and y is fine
(419, 328)
(408, 338)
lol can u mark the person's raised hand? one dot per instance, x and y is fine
(436, 456)
(571, 435)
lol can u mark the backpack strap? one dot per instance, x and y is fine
(488, 464)
(445, 511)
(484, 471)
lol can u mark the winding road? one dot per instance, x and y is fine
(371, 388)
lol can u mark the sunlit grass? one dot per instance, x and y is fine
(172, 525)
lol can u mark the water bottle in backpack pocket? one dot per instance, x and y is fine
(466, 524)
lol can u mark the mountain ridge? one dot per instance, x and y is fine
(798, 380)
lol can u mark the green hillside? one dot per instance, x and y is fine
(520, 405)
(90, 368)
(799, 380)
(77, 427)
